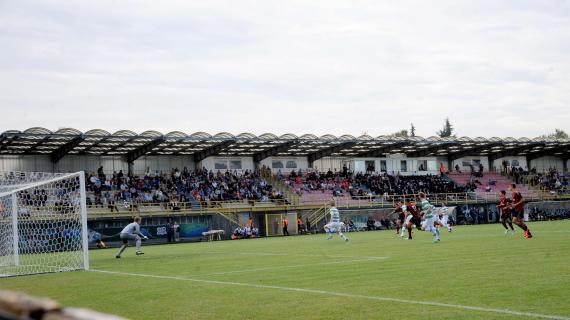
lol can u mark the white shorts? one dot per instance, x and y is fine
(334, 226)
(428, 223)
(409, 218)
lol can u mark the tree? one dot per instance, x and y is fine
(557, 134)
(412, 131)
(447, 130)
(399, 134)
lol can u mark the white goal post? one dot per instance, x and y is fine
(43, 223)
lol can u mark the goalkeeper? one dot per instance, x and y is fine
(132, 232)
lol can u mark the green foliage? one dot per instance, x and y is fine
(447, 130)
(400, 134)
(557, 134)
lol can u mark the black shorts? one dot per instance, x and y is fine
(401, 217)
(517, 214)
(416, 222)
(506, 215)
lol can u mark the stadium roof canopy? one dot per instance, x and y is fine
(126, 143)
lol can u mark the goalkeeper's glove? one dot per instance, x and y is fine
(145, 238)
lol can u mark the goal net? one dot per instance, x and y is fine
(43, 223)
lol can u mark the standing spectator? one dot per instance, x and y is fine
(300, 225)
(176, 231)
(100, 173)
(169, 231)
(285, 224)
(308, 225)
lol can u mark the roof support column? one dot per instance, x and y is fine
(140, 151)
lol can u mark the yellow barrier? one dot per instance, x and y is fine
(346, 202)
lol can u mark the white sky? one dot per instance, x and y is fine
(496, 68)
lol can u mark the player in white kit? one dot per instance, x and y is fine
(444, 218)
(132, 232)
(334, 225)
(430, 217)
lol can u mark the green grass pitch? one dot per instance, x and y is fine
(476, 272)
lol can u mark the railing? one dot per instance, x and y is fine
(229, 216)
(182, 208)
(317, 215)
(232, 207)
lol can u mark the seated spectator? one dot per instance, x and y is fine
(113, 206)
(370, 224)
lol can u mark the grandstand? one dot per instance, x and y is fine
(220, 180)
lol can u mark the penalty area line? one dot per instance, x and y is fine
(340, 294)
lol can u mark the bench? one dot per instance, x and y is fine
(213, 234)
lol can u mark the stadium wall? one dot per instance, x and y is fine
(518, 162)
(26, 163)
(474, 160)
(74, 163)
(544, 163)
(285, 164)
(334, 163)
(161, 163)
(399, 163)
(227, 163)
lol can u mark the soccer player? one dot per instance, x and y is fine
(132, 232)
(504, 206)
(412, 218)
(401, 217)
(428, 212)
(443, 218)
(334, 225)
(518, 211)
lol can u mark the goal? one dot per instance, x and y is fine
(43, 223)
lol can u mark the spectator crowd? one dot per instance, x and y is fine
(362, 185)
(177, 188)
(552, 180)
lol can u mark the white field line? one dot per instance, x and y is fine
(341, 294)
(294, 266)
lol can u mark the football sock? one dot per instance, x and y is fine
(123, 247)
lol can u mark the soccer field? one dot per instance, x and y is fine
(476, 272)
